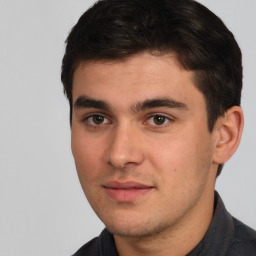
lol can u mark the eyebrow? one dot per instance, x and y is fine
(86, 102)
(158, 102)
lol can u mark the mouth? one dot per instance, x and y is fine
(127, 191)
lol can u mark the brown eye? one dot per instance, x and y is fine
(94, 120)
(97, 119)
(159, 120)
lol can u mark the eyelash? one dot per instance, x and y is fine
(87, 118)
(166, 122)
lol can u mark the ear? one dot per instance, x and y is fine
(228, 131)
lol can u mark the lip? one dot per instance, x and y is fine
(126, 191)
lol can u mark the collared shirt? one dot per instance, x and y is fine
(225, 236)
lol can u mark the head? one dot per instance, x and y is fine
(115, 30)
(154, 88)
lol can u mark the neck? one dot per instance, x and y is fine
(176, 240)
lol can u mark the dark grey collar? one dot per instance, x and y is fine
(219, 234)
(226, 236)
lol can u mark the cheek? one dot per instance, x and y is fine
(87, 160)
(181, 157)
(87, 155)
(182, 168)
(169, 153)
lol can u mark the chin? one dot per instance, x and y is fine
(135, 228)
(123, 225)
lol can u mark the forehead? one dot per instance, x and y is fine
(139, 77)
(153, 65)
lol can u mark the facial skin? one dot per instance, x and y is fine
(142, 148)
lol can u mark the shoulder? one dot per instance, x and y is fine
(89, 249)
(103, 245)
(243, 240)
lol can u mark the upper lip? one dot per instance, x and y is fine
(125, 185)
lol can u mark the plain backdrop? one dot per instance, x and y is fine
(43, 211)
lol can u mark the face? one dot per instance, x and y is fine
(141, 143)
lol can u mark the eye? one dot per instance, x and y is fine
(158, 120)
(96, 119)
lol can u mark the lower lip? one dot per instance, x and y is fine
(127, 195)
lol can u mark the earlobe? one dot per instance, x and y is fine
(229, 130)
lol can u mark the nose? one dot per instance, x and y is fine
(124, 148)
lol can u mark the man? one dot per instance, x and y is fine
(154, 88)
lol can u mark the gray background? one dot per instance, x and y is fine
(43, 211)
